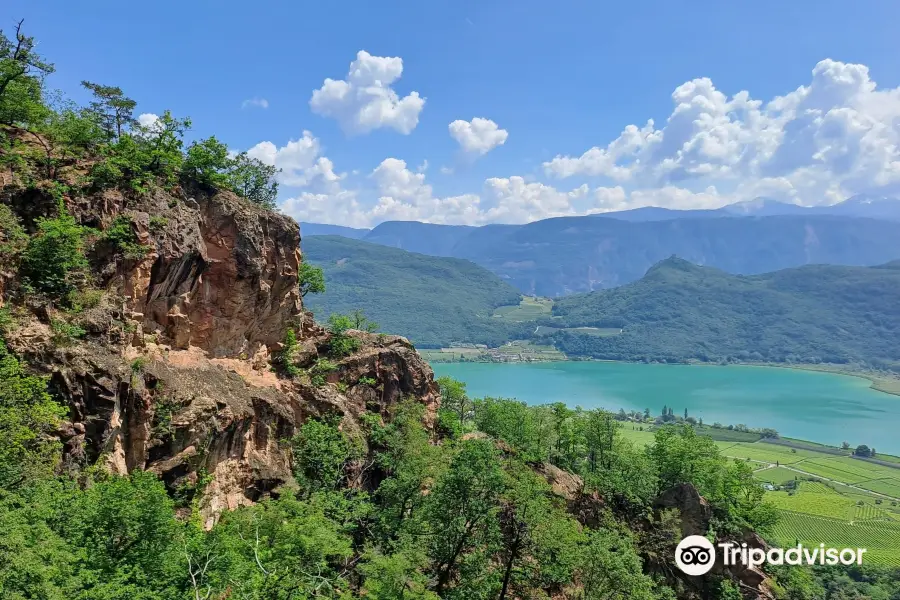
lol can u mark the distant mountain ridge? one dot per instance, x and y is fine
(680, 311)
(560, 256)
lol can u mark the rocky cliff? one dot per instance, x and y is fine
(174, 374)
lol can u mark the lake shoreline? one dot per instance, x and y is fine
(820, 409)
(886, 383)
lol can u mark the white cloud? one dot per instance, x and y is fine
(147, 119)
(365, 100)
(818, 144)
(478, 136)
(300, 161)
(255, 103)
(149, 125)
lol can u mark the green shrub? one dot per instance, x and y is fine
(122, 237)
(319, 371)
(53, 260)
(64, 333)
(341, 344)
(13, 238)
(139, 364)
(284, 362)
(157, 224)
(86, 299)
(369, 381)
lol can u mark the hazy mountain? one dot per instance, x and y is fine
(560, 256)
(325, 229)
(865, 205)
(426, 238)
(762, 207)
(431, 300)
(656, 213)
(680, 311)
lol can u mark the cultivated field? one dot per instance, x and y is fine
(528, 309)
(823, 496)
(880, 538)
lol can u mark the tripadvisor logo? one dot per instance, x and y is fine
(696, 555)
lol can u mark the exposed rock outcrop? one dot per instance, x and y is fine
(174, 375)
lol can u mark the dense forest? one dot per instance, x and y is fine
(680, 311)
(433, 301)
(477, 499)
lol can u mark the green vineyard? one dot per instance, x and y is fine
(880, 538)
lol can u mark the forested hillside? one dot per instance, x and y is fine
(432, 301)
(681, 311)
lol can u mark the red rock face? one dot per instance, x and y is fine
(222, 276)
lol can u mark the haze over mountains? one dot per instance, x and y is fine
(566, 255)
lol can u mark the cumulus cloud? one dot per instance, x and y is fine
(255, 103)
(478, 136)
(837, 136)
(300, 161)
(365, 100)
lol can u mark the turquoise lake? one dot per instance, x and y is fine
(820, 407)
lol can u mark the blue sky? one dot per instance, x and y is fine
(559, 78)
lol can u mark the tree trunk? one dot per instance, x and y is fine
(513, 553)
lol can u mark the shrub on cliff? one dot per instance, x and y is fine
(53, 262)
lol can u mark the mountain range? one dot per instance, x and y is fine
(565, 255)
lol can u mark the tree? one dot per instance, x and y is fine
(743, 495)
(862, 450)
(253, 179)
(600, 433)
(454, 397)
(311, 279)
(682, 456)
(206, 162)
(319, 451)
(22, 71)
(462, 507)
(161, 143)
(284, 548)
(340, 344)
(362, 323)
(611, 569)
(410, 462)
(111, 109)
(28, 416)
(540, 541)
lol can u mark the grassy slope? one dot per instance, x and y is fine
(680, 311)
(433, 301)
